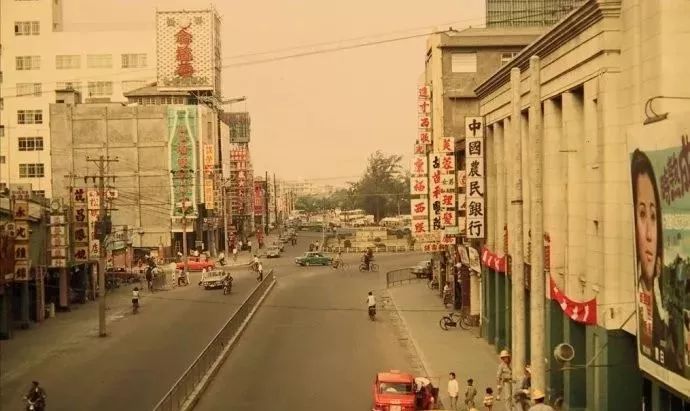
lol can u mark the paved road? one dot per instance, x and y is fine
(135, 365)
(311, 345)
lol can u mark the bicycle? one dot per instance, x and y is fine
(463, 321)
(340, 266)
(372, 267)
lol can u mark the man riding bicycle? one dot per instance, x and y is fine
(338, 261)
(368, 258)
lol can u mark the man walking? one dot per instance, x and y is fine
(504, 378)
(453, 391)
(538, 398)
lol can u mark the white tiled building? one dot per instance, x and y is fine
(38, 57)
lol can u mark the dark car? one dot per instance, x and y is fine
(422, 269)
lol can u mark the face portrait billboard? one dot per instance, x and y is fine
(659, 159)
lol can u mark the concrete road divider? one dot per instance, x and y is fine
(186, 391)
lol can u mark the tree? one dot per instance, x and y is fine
(383, 190)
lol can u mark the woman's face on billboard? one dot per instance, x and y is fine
(646, 225)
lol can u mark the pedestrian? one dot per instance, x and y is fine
(260, 270)
(504, 379)
(522, 394)
(241, 245)
(234, 253)
(447, 297)
(470, 394)
(489, 399)
(249, 245)
(538, 398)
(453, 391)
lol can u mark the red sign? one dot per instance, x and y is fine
(184, 52)
(582, 312)
(493, 261)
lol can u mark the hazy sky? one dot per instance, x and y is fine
(320, 116)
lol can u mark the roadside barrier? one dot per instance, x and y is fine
(402, 276)
(188, 388)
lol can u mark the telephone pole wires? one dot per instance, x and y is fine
(102, 230)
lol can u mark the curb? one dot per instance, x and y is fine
(193, 399)
(418, 351)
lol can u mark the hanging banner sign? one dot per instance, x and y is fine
(475, 189)
(582, 312)
(493, 261)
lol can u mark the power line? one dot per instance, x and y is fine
(308, 53)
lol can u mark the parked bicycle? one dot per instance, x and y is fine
(454, 319)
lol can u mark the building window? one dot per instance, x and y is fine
(507, 56)
(27, 28)
(28, 62)
(464, 62)
(3, 159)
(68, 85)
(130, 85)
(28, 89)
(39, 193)
(29, 116)
(70, 61)
(30, 143)
(133, 60)
(31, 170)
(100, 88)
(99, 61)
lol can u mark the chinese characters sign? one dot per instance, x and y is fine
(188, 44)
(660, 199)
(58, 241)
(475, 178)
(182, 129)
(22, 259)
(209, 164)
(424, 114)
(442, 187)
(240, 126)
(80, 224)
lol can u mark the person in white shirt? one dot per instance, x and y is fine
(135, 299)
(371, 300)
(453, 390)
(260, 270)
(234, 253)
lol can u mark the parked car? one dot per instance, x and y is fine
(422, 269)
(273, 252)
(196, 264)
(394, 390)
(313, 258)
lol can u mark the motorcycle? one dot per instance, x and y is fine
(32, 405)
(372, 313)
(227, 286)
(372, 267)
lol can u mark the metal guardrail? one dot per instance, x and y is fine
(181, 391)
(401, 276)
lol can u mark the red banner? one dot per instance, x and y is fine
(582, 312)
(493, 261)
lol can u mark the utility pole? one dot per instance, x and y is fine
(268, 210)
(102, 163)
(537, 283)
(275, 198)
(225, 217)
(515, 238)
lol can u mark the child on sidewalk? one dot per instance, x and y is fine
(470, 394)
(489, 399)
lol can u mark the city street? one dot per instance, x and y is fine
(135, 365)
(311, 344)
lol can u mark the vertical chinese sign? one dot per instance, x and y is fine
(182, 129)
(476, 182)
(446, 148)
(58, 238)
(419, 191)
(93, 205)
(80, 225)
(259, 192)
(424, 114)
(209, 165)
(20, 195)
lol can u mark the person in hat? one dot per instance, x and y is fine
(522, 394)
(504, 379)
(538, 398)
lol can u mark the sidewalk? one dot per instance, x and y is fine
(441, 352)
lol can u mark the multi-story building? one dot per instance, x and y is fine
(527, 13)
(587, 154)
(39, 56)
(456, 62)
